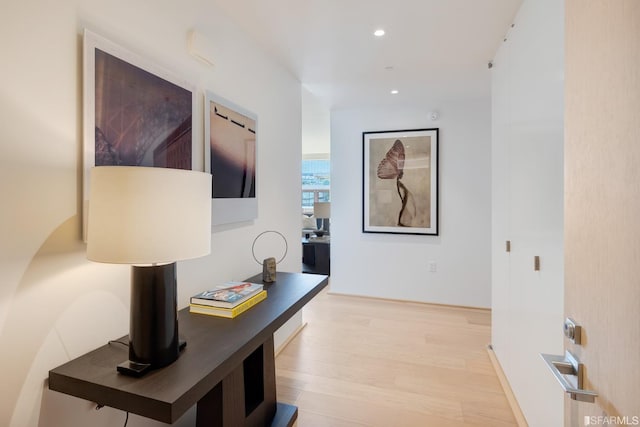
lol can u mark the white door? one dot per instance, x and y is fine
(602, 205)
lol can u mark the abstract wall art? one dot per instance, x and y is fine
(134, 113)
(230, 157)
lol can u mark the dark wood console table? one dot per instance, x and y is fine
(227, 367)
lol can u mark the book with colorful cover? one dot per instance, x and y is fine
(228, 295)
(228, 312)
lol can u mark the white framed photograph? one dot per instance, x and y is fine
(230, 156)
(134, 113)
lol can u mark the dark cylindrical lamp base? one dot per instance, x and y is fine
(153, 328)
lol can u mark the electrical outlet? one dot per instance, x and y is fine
(433, 266)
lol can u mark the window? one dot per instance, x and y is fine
(316, 177)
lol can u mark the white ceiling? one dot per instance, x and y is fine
(439, 49)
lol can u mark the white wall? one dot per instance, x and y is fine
(316, 135)
(54, 304)
(527, 209)
(396, 266)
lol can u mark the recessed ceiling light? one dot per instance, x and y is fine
(379, 33)
(394, 92)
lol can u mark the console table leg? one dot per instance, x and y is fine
(224, 405)
(262, 379)
(209, 409)
(245, 397)
(269, 378)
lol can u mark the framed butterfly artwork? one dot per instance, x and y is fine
(400, 181)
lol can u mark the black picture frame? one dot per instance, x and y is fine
(400, 185)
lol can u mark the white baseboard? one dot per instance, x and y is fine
(511, 398)
(290, 338)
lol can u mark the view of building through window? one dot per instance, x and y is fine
(316, 176)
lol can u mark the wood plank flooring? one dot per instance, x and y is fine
(369, 362)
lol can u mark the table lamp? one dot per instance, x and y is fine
(150, 218)
(322, 210)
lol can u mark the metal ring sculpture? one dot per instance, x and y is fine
(253, 246)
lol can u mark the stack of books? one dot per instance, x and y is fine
(228, 300)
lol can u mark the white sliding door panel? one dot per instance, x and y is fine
(528, 206)
(501, 308)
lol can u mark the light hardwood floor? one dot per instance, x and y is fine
(369, 362)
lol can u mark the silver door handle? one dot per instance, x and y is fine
(569, 365)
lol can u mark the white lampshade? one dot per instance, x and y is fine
(322, 209)
(147, 215)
